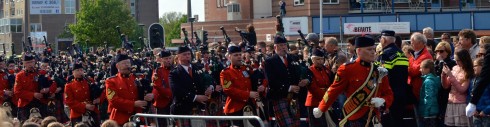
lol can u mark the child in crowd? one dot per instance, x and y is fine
(481, 118)
(428, 106)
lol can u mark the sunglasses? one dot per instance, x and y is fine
(440, 51)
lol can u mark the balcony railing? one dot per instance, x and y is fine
(400, 6)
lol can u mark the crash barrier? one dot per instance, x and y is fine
(178, 118)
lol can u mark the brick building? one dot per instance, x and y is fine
(15, 16)
(441, 15)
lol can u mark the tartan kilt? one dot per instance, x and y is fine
(285, 116)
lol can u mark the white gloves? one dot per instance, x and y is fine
(317, 113)
(377, 102)
(470, 109)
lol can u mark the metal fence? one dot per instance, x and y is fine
(192, 117)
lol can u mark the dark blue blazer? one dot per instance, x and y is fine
(281, 77)
(184, 89)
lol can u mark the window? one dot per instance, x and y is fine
(401, 1)
(299, 2)
(70, 6)
(10, 25)
(234, 8)
(330, 1)
(225, 3)
(16, 25)
(36, 27)
(133, 8)
(219, 3)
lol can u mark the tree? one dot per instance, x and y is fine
(97, 21)
(171, 23)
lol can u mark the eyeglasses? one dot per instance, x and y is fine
(480, 55)
(440, 51)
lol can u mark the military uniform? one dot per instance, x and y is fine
(317, 88)
(365, 85)
(4, 85)
(25, 86)
(162, 91)
(236, 84)
(121, 93)
(77, 95)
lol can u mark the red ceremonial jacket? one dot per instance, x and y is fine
(25, 87)
(121, 93)
(161, 88)
(349, 78)
(77, 94)
(237, 86)
(319, 85)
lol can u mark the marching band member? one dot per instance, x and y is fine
(365, 85)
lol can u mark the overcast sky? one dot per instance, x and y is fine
(181, 6)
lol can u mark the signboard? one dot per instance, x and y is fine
(376, 28)
(45, 7)
(268, 37)
(38, 41)
(293, 24)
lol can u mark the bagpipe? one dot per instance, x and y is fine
(47, 50)
(225, 35)
(249, 37)
(125, 44)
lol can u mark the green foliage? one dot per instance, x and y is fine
(97, 21)
(66, 33)
(171, 23)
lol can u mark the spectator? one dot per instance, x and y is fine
(467, 40)
(447, 37)
(428, 107)
(30, 124)
(46, 121)
(481, 117)
(482, 84)
(351, 49)
(429, 34)
(109, 123)
(483, 41)
(418, 42)
(81, 125)
(282, 6)
(334, 55)
(458, 80)
(35, 120)
(407, 50)
(443, 52)
(55, 124)
(129, 124)
(398, 42)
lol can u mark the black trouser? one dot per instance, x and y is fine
(24, 112)
(239, 123)
(316, 122)
(165, 111)
(94, 116)
(395, 116)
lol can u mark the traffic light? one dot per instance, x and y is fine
(205, 37)
(156, 35)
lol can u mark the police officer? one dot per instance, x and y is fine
(121, 91)
(394, 60)
(161, 86)
(365, 85)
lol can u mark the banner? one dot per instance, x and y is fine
(376, 28)
(38, 41)
(45, 7)
(293, 24)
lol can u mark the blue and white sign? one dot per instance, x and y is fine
(39, 7)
